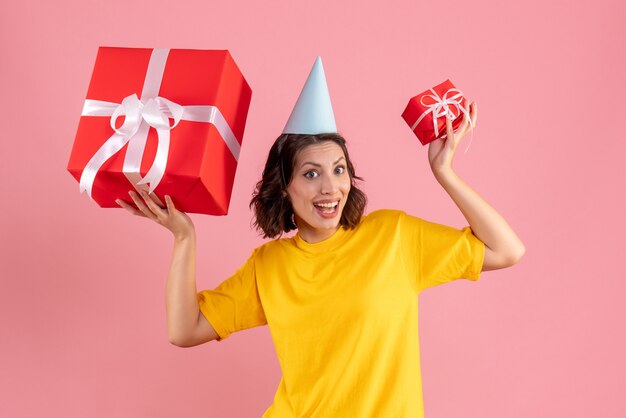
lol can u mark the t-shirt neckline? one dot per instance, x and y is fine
(326, 245)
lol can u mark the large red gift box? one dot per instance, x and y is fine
(169, 121)
(426, 113)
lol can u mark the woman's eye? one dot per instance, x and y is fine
(310, 174)
(340, 170)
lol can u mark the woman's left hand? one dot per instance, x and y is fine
(441, 151)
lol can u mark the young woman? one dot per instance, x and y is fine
(339, 297)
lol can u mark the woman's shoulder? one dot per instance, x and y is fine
(385, 219)
(383, 215)
(381, 220)
(273, 245)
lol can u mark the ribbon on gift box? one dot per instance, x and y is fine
(141, 114)
(441, 106)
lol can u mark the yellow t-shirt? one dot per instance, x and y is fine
(343, 312)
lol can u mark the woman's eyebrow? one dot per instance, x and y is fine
(319, 165)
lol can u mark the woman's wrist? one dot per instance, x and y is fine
(185, 236)
(443, 174)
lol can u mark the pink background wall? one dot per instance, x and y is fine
(82, 312)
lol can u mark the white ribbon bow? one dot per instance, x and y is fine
(139, 116)
(154, 113)
(442, 107)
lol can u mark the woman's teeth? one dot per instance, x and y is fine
(327, 207)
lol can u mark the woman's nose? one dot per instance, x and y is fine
(328, 184)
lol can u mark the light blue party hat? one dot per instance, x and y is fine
(313, 113)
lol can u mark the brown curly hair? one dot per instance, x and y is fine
(272, 208)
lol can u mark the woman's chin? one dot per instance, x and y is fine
(320, 224)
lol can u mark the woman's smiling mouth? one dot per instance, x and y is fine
(327, 209)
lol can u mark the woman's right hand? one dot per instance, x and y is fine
(179, 223)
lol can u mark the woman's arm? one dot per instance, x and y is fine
(186, 326)
(503, 248)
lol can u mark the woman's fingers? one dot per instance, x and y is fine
(156, 209)
(449, 130)
(464, 125)
(142, 206)
(450, 136)
(169, 204)
(129, 208)
(474, 113)
(169, 217)
(462, 128)
(148, 208)
(468, 116)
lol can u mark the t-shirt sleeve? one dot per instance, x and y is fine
(438, 254)
(234, 305)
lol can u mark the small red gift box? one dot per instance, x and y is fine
(426, 113)
(167, 121)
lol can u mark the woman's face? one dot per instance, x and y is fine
(318, 190)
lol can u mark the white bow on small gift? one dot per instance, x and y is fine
(441, 107)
